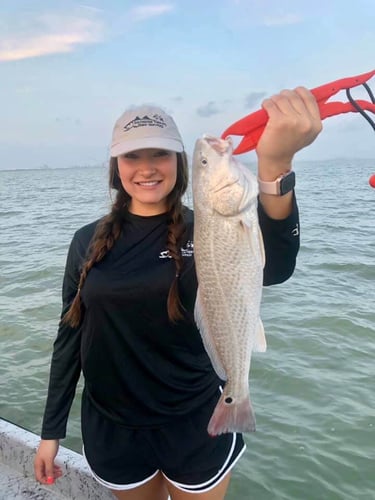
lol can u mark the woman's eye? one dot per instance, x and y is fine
(162, 153)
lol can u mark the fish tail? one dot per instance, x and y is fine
(232, 416)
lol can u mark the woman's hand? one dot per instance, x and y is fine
(44, 463)
(294, 123)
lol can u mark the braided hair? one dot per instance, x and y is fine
(109, 229)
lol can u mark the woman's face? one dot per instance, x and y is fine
(148, 176)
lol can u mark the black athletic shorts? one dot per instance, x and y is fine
(122, 458)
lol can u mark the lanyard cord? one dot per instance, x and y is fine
(358, 108)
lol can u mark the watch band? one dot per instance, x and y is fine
(282, 185)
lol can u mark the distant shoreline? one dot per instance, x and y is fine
(247, 163)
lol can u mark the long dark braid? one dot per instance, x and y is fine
(176, 229)
(108, 231)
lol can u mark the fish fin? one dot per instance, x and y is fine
(255, 236)
(261, 244)
(238, 416)
(207, 339)
(260, 344)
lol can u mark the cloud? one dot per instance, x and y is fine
(49, 34)
(208, 109)
(91, 8)
(144, 12)
(253, 98)
(282, 20)
(241, 14)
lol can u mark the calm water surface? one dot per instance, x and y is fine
(313, 390)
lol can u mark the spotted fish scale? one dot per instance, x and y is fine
(229, 259)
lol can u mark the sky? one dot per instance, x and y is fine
(68, 70)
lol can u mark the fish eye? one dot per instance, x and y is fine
(204, 161)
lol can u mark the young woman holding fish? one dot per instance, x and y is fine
(128, 314)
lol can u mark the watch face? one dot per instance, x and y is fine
(287, 183)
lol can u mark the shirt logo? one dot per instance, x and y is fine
(145, 121)
(165, 255)
(295, 231)
(188, 251)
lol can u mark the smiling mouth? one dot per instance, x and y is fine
(148, 183)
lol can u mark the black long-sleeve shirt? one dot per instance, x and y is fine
(139, 368)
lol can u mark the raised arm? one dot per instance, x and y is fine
(294, 123)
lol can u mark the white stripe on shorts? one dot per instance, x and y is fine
(114, 486)
(215, 480)
(189, 488)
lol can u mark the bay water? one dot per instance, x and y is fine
(313, 391)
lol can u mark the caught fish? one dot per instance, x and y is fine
(229, 258)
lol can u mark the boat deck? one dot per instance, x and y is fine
(17, 450)
(15, 486)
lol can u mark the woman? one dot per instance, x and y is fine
(127, 320)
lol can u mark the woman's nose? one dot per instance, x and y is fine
(148, 168)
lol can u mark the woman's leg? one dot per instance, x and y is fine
(195, 465)
(216, 493)
(155, 489)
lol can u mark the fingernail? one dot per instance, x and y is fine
(50, 480)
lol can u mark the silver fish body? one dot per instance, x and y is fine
(229, 259)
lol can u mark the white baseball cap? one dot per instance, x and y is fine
(145, 127)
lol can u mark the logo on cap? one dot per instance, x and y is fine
(155, 121)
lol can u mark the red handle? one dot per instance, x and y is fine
(252, 125)
(328, 109)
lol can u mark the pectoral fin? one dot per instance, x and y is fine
(255, 237)
(261, 245)
(260, 344)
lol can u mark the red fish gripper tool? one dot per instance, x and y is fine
(252, 126)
